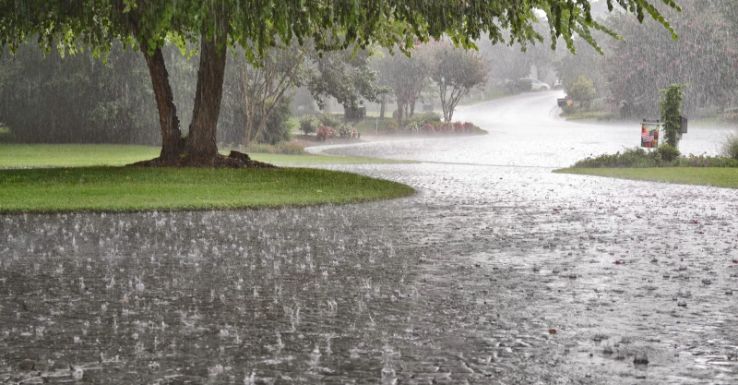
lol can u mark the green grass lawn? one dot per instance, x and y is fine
(64, 178)
(711, 176)
(134, 189)
(84, 155)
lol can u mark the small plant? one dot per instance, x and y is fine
(730, 147)
(308, 125)
(347, 132)
(344, 131)
(667, 152)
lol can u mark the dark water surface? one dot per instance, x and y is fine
(490, 275)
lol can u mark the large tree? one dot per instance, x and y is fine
(257, 25)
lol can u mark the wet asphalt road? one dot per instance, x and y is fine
(496, 272)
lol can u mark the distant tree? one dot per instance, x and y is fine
(264, 87)
(587, 62)
(344, 75)
(256, 26)
(407, 77)
(510, 62)
(455, 72)
(48, 98)
(703, 59)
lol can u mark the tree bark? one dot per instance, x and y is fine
(201, 143)
(171, 136)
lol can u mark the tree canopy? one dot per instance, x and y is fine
(257, 25)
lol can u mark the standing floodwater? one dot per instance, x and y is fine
(491, 274)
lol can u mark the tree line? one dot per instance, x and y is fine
(628, 77)
(217, 25)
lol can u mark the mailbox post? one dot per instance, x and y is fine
(683, 125)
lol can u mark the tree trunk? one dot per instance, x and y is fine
(171, 136)
(201, 138)
(382, 103)
(400, 112)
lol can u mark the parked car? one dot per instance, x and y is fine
(537, 85)
(526, 84)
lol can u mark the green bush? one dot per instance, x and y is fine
(391, 126)
(309, 124)
(730, 147)
(667, 152)
(329, 120)
(277, 126)
(582, 90)
(664, 156)
(420, 119)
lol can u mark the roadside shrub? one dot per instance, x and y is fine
(345, 131)
(450, 128)
(391, 126)
(730, 147)
(706, 161)
(667, 152)
(325, 132)
(632, 157)
(662, 157)
(418, 120)
(582, 90)
(309, 124)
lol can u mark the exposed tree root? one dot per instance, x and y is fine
(234, 160)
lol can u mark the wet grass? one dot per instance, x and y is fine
(117, 189)
(85, 155)
(709, 176)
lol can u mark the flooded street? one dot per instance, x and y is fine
(496, 272)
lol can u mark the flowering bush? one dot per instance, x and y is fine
(450, 128)
(326, 132)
